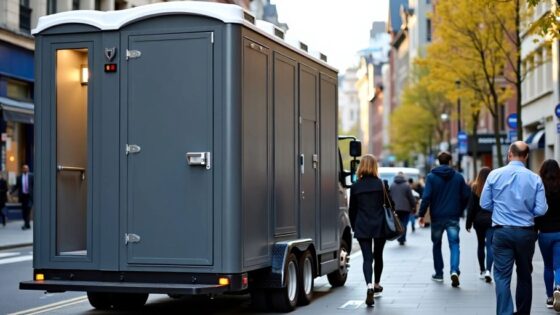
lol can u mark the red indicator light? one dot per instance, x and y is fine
(110, 67)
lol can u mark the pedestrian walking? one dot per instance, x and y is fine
(549, 232)
(24, 187)
(416, 195)
(367, 219)
(401, 193)
(515, 195)
(447, 195)
(3, 198)
(481, 219)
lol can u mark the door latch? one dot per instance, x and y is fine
(131, 238)
(199, 159)
(132, 148)
(130, 54)
(315, 160)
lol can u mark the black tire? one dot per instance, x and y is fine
(306, 278)
(260, 300)
(176, 296)
(130, 301)
(100, 300)
(118, 301)
(338, 277)
(285, 299)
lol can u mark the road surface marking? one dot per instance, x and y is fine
(15, 259)
(351, 305)
(2, 255)
(52, 307)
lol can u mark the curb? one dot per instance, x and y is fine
(12, 246)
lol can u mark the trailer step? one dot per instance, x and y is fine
(125, 287)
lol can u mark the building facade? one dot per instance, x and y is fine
(348, 103)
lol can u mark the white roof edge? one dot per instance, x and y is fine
(113, 20)
(268, 27)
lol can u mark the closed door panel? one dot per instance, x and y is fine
(308, 201)
(169, 204)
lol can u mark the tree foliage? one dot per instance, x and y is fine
(549, 25)
(470, 46)
(416, 124)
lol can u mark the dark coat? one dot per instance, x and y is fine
(3, 191)
(367, 216)
(446, 193)
(401, 193)
(19, 186)
(550, 221)
(480, 218)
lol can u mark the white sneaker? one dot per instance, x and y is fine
(481, 276)
(487, 276)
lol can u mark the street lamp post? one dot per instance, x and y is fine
(447, 121)
(459, 155)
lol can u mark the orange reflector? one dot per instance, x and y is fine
(39, 277)
(223, 281)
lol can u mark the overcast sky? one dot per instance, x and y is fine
(336, 28)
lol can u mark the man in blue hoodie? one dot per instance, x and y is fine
(447, 195)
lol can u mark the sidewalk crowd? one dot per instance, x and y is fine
(510, 209)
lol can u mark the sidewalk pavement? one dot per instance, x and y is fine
(408, 288)
(12, 236)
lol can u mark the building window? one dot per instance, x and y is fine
(97, 4)
(428, 30)
(24, 16)
(75, 4)
(19, 90)
(51, 6)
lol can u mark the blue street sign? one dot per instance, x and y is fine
(462, 140)
(512, 136)
(558, 128)
(557, 110)
(512, 120)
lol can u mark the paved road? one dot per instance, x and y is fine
(406, 279)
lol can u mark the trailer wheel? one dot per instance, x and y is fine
(285, 299)
(260, 300)
(129, 301)
(338, 277)
(306, 278)
(100, 300)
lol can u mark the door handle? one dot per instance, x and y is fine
(132, 148)
(200, 159)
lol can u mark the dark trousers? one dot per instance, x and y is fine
(513, 245)
(484, 237)
(26, 209)
(403, 217)
(370, 255)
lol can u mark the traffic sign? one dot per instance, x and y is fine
(558, 128)
(462, 140)
(557, 110)
(461, 135)
(512, 120)
(512, 135)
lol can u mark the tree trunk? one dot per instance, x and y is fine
(518, 74)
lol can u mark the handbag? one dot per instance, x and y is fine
(393, 226)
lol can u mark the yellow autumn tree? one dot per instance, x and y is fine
(416, 125)
(467, 46)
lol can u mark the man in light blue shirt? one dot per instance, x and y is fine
(515, 195)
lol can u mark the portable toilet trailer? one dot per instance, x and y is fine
(181, 149)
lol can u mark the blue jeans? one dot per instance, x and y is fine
(549, 243)
(403, 217)
(452, 229)
(513, 245)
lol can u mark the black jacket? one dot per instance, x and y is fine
(481, 218)
(366, 212)
(401, 193)
(19, 186)
(550, 222)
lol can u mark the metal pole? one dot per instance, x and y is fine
(459, 155)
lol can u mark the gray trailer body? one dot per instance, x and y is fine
(197, 148)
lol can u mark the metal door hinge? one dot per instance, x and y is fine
(131, 238)
(315, 160)
(212, 37)
(132, 148)
(130, 54)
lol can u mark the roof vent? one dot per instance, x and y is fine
(279, 33)
(323, 57)
(303, 46)
(249, 17)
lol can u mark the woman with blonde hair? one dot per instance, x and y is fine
(367, 218)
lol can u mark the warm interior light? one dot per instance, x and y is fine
(12, 158)
(223, 281)
(84, 75)
(39, 277)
